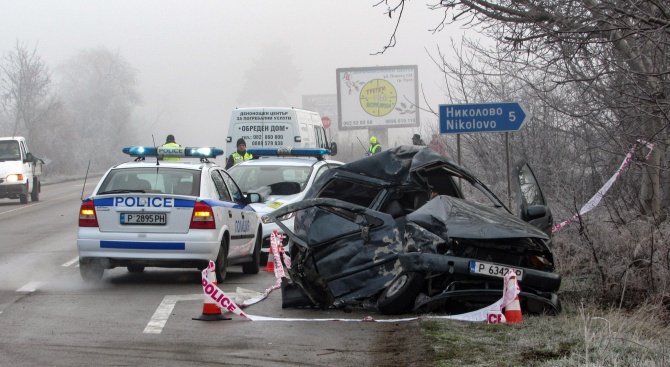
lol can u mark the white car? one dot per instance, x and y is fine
(282, 176)
(165, 213)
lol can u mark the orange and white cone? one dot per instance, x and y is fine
(270, 266)
(513, 309)
(210, 309)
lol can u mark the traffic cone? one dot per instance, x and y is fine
(210, 309)
(513, 309)
(270, 266)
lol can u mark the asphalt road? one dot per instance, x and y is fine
(50, 317)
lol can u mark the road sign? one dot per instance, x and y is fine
(326, 122)
(482, 117)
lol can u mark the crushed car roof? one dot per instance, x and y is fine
(396, 164)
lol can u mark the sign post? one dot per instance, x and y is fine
(484, 117)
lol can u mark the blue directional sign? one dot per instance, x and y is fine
(482, 117)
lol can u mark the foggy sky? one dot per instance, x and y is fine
(191, 56)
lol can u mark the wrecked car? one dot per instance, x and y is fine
(407, 230)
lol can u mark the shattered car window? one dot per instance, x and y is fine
(319, 224)
(351, 191)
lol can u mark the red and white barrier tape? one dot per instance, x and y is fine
(595, 200)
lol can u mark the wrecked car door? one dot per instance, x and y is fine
(531, 205)
(340, 251)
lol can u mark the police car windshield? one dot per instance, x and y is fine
(250, 177)
(160, 180)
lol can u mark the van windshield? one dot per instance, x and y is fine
(9, 150)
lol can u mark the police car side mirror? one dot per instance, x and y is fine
(333, 148)
(254, 197)
(29, 158)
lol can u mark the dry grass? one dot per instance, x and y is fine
(580, 336)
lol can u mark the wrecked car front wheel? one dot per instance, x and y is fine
(399, 296)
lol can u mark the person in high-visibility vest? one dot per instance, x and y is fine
(374, 146)
(240, 155)
(169, 142)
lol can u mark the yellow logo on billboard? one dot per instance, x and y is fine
(378, 97)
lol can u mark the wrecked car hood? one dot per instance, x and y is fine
(457, 218)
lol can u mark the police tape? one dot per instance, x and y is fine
(595, 200)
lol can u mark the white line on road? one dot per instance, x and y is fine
(76, 259)
(160, 317)
(30, 287)
(22, 207)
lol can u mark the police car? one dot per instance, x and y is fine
(281, 176)
(168, 213)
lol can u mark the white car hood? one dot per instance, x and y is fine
(274, 202)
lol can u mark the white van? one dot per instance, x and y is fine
(273, 127)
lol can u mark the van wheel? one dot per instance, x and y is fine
(35, 195)
(254, 266)
(399, 296)
(24, 197)
(221, 264)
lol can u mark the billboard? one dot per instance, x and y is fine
(378, 97)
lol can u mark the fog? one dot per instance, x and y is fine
(191, 57)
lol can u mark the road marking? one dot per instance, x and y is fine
(164, 310)
(30, 287)
(24, 206)
(19, 208)
(160, 317)
(76, 259)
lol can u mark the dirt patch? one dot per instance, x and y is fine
(402, 344)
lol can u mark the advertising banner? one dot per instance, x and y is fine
(378, 97)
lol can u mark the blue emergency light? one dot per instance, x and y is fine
(177, 152)
(288, 152)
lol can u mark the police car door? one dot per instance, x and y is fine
(242, 219)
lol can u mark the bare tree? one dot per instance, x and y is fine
(98, 90)
(25, 88)
(610, 58)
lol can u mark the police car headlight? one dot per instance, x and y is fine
(265, 219)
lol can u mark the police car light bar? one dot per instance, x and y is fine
(289, 152)
(181, 152)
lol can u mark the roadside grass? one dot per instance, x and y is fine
(581, 335)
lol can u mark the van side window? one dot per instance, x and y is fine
(320, 134)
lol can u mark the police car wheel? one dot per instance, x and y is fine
(135, 268)
(254, 266)
(222, 262)
(90, 270)
(23, 198)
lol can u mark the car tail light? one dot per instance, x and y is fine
(87, 216)
(203, 217)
